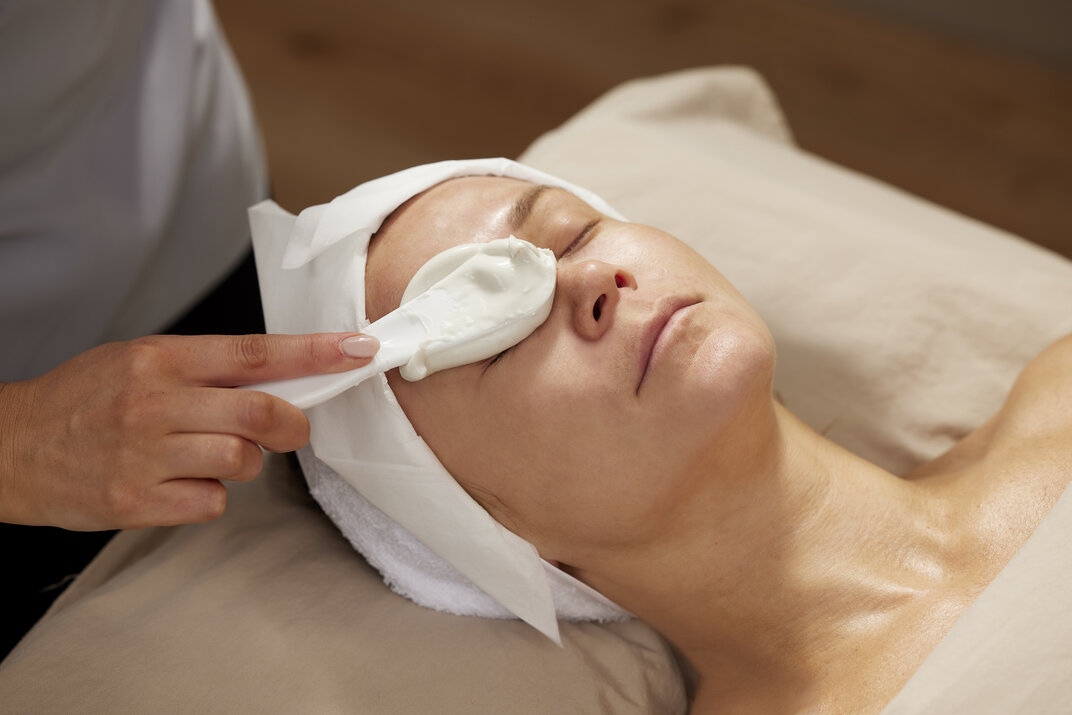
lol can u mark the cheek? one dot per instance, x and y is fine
(549, 450)
(487, 435)
(577, 464)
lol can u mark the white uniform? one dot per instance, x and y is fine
(128, 156)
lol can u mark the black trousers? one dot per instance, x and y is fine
(37, 562)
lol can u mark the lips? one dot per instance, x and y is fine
(652, 332)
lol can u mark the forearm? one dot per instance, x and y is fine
(15, 401)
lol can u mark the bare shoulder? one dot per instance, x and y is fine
(1026, 461)
(1010, 472)
(1033, 424)
(1040, 402)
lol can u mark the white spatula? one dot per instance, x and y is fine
(466, 304)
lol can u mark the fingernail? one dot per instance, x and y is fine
(360, 346)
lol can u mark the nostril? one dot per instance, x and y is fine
(619, 280)
(597, 309)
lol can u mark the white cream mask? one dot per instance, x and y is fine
(464, 305)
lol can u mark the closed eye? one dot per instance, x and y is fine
(582, 237)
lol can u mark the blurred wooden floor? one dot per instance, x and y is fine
(351, 89)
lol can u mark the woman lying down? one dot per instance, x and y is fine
(634, 441)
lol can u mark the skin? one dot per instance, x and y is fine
(794, 575)
(140, 433)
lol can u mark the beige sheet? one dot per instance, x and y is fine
(1011, 651)
(268, 610)
(900, 326)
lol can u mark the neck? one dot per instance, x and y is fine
(788, 575)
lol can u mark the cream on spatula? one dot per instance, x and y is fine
(464, 305)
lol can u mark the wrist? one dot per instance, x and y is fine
(15, 401)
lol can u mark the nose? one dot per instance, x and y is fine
(590, 291)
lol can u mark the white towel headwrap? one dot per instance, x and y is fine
(372, 474)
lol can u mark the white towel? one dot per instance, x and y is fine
(414, 571)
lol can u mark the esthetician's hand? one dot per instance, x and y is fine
(137, 434)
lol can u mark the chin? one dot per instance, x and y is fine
(732, 370)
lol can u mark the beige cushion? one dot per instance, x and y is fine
(899, 326)
(269, 610)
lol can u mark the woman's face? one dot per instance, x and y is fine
(589, 431)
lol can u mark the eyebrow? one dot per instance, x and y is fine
(519, 212)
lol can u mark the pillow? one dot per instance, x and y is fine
(899, 327)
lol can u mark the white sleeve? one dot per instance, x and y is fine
(128, 155)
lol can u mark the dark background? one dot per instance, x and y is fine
(967, 103)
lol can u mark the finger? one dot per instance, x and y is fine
(185, 501)
(256, 416)
(215, 456)
(230, 360)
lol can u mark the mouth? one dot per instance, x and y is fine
(655, 332)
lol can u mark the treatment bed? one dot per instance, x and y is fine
(900, 327)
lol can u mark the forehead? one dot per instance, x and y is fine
(472, 209)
